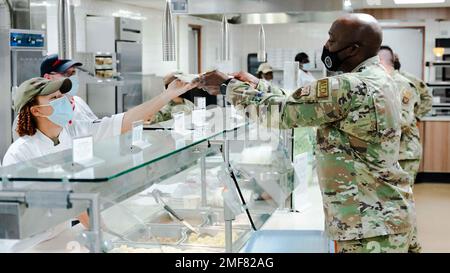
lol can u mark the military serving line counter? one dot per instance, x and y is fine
(220, 178)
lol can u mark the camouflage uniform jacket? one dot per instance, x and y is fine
(166, 112)
(365, 192)
(410, 146)
(426, 100)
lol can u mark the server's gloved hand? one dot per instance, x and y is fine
(211, 81)
(246, 77)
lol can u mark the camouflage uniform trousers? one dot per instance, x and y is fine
(412, 168)
(393, 243)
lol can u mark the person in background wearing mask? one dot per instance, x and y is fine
(265, 72)
(304, 76)
(426, 99)
(366, 195)
(53, 68)
(178, 104)
(45, 112)
(410, 145)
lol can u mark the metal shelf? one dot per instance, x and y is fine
(438, 64)
(438, 84)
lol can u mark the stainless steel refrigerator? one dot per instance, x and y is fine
(129, 55)
(123, 36)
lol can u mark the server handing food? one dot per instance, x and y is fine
(367, 197)
(45, 113)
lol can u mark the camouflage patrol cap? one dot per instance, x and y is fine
(39, 87)
(265, 68)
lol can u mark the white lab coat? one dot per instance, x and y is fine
(82, 112)
(304, 78)
(29, 147)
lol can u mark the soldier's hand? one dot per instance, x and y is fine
(211, 81)
(246, 77)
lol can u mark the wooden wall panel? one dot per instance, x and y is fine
(437, 147)
(422, 140)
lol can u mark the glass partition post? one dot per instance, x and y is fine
(229, 216)
(288, 137)
(94, 218)
(203, 179)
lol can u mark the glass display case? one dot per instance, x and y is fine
(202, 190)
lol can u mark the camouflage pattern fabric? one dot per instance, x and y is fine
(410, 146)
(365, 192)
(166, 112)
(411, 167)
(426, 99)
(395, 243)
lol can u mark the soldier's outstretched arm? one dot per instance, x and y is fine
(324, 101)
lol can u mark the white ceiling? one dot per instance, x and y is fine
(154, 4)
(357, 4)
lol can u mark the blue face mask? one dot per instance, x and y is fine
(75, 85)
(307, 66)
(62, 111)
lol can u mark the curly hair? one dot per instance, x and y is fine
(26, 123)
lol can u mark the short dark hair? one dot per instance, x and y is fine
(388, 48)
(397, 64)
(301, 57)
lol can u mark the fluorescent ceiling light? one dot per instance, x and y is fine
(403, 2)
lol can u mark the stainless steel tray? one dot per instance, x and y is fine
(214, 237)
(196, 217)
(158, 234)
(127, 247)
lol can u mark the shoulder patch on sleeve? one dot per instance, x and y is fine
(323, 88)
(406, 96)
(302, 92)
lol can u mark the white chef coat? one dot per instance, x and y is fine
(81, 112)
(29, 147)
(304, 78)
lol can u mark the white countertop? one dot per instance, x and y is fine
(310, 217)
(436, 118)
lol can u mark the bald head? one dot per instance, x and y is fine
(361, 30)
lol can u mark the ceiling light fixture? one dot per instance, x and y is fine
(262, 45)
(225, 40)
(169, 49)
